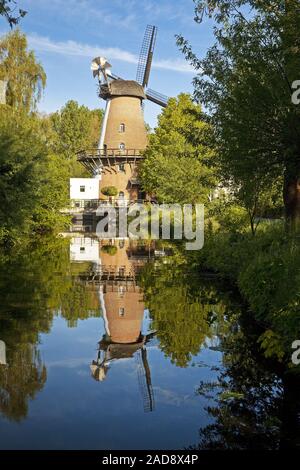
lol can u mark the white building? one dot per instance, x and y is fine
(85, 249)
(84, 188)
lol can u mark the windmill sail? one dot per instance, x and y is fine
(2, 353)
(146, 55)
(157, 98)
(144, 378)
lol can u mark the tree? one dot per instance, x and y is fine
(8, 12)
(178, 164)
(245, 81)
(32, 306)
(33, 180)
(77, 128)
(25, 76)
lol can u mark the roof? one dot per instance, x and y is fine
(127, 88)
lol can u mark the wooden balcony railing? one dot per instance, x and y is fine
(94, 159)
(81, 205)
(111, 152)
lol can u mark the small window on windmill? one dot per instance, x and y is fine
(82, 249)
(122, 271)
(122, 146)
(122, 167)
(82, 189)
(121, 291)
(122, 127)
(121, 312)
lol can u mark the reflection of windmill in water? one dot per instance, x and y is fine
(122, 306)
(2, 353)
(110, 351)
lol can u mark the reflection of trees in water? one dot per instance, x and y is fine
(20, 380)
(35, 283)
(182, 309)
(246, 400)
(255, 402)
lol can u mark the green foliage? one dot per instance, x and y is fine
(25, 76)
(178, 164)
(36, 282)
(109, 191)
(109, 249)
(231, 218)
(37, 152)
(76, 128)
(266, 270)
(33, 181)
(246, 398)
(271, 343)
(245, 81)
(180, 309)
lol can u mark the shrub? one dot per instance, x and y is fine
(109, 249)
(109, 191)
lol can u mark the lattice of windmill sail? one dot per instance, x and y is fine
(144, 380)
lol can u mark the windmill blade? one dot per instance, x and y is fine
(146, 54)
(115, 77)
(144, 379)
(158, 98)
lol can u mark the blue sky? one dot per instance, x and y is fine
(67, 34)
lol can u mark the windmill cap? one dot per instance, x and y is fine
(127, 88)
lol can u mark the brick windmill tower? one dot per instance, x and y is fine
(123, 135)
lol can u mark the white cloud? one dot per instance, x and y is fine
(86, 10)
(73, 48)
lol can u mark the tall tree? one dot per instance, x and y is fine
(33, 180)
(77, 128)
(245, 81)
(25, 76)
(178, 165)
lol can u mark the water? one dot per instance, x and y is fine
(121, 346)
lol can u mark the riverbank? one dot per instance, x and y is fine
(265, 269)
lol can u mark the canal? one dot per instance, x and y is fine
(120, 345)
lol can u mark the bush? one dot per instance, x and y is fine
(109, 191)
(109, 249)
(266, 270)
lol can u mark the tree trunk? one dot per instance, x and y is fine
(291, 197)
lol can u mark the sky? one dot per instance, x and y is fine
(67, 34)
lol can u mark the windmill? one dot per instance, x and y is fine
(123, 135)
(109, 352)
